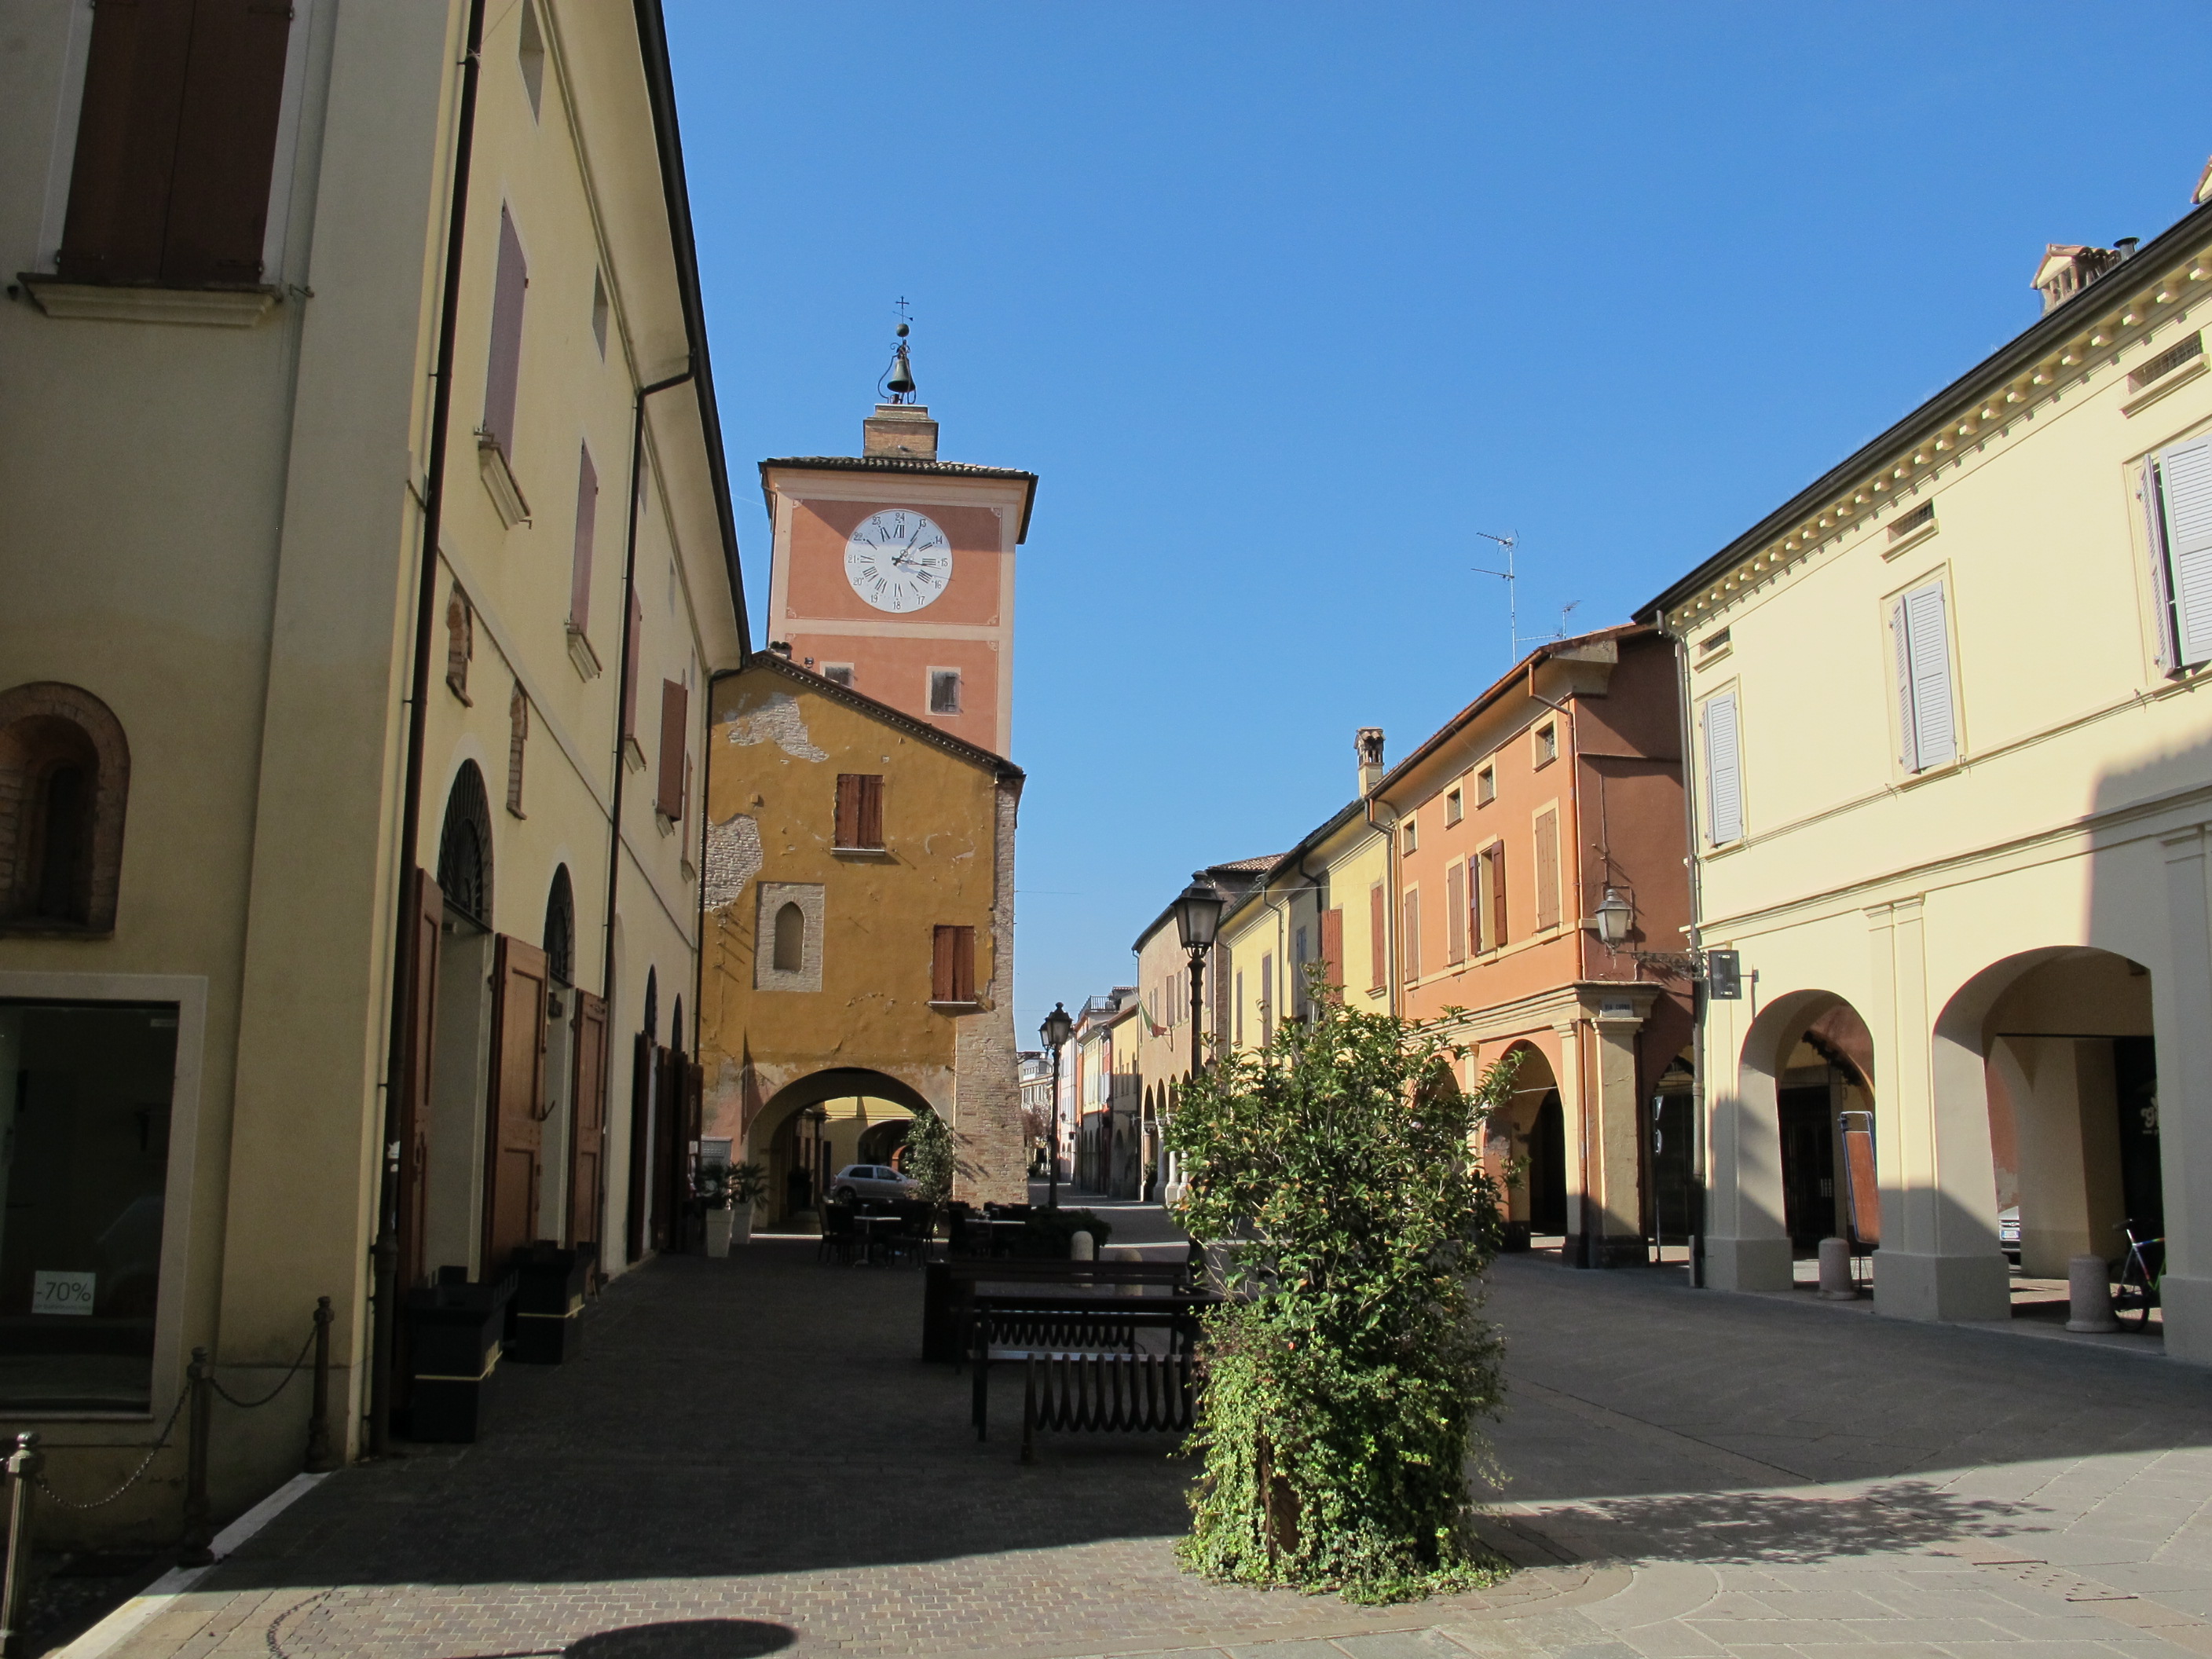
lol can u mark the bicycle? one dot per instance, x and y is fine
(2140, 1271)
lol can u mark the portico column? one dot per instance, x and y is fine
(1746, 1244)
(2181, 1011)
(1617, 1209)
(1581, 1198)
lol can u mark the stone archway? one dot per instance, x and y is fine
(816, 1124)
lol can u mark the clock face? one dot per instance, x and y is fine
(898, 560)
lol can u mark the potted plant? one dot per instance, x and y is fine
(714, 1195)
(746, 1184)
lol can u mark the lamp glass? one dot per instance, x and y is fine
(1058, 1027)
(1198, 913)
(1614, 915)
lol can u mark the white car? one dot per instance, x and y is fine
(859, 1182)
(2008, 1233)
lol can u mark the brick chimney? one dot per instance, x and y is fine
(1369, 744)
(900, 429)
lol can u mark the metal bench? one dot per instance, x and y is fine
(1023, 1329)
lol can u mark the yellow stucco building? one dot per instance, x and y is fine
(1951, 776)
(367, 550)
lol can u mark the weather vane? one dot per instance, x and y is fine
(897, 383)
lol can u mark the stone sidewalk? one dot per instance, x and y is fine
(749, 1459)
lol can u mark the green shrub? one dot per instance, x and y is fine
(1338, 1417)
(930, 1160)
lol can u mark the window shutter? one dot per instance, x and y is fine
(964, 964)
(1267, 998)
(1932, 736)
(1908, 752)
(675, 703)
(1331, 950)
(1548, 869)
(630, 643)
(2169, 658)
(1498, 928)
(847, 828)
(226, 141)
(126, 142)
(503, 373)
(1409, 941)
(870, 811)
(1378, 938)
(587, 516)
(1723, 773)
(2185, 509)
(1456, 912)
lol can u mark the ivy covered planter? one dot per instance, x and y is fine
(1345, 1382)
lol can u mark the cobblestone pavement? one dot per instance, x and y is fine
(749, 1459)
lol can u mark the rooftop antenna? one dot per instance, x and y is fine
(1564, 611)
(1508, 541)
(897, 384)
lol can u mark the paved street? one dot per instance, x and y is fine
(751, 1458)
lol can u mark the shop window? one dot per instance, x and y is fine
(85, 1092)
(64, 775)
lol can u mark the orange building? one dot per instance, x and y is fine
(1508, 827)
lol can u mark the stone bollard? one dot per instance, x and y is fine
(2089, 1292)
(1836, 1282)
(1081, 1246)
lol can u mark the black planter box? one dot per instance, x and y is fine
(454, 1331)
(543, 1326)
(1515, 1239)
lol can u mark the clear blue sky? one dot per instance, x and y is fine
(1284, 302)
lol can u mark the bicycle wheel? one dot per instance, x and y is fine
(2132, 1297)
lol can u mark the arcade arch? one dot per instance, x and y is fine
(814, 1127)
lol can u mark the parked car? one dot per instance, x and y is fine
(2008, 1233)
(862, 1183)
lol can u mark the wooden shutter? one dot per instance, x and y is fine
(675, 705)
(2184, 477)
(226, 141)
(860, 810)
(1456, 912)
(1723, 775)
(516, 1121)
(952, 965)
(630, 641)
(1924, 679)
(1267, 998)
(587, 519)
(1498, 931)
(418, 1044)
(126, 141)
(1409, 935)
(587, 1145)
(872, 811)
(1548, 869)
(1476, 872)
(503, 371)
(1332, 952)
(1378, 938)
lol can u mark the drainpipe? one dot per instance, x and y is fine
(385, 1253)
(1697, 981)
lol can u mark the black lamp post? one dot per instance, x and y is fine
(1058, 1027)
(1198, 915)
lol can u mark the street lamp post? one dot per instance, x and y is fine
(1198, 915)
(1056, 1030)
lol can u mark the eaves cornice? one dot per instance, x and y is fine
(2090, 332)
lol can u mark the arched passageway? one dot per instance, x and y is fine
(1528, 1147)
(812, 1128)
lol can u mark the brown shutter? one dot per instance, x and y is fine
(964, 964)
(1332, 951)
(518, 1103)
(503, 372)
(1498, 931)
(587, 516)
(1456, 912)
(942, 946)
(126, 141)
(226, 141)
(630, 641)
(1409, 935)
(675, 703)
(848, 830)
(1547, 870)
(421, 1001)
(588, 1147)
(872, 811)
(1379, 945)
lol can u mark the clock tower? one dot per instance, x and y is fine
(893, 571)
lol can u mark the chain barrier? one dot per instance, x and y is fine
(184, 1396)
(284, 1383)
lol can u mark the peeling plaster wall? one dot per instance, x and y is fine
(775, 752)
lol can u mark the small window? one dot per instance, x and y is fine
(673, 783)
(952, 965)
(1921, 638)
(838, 673)
(65, 771)
(530, 54)
(599, 310)
(1486, 785)
(860, 816)
(2167, 361)
(790, 940)
(503, 365)
(1548, 869)
(1412, 833)
(1920, 516)
(1547, 743)
(944, 690)
(1455, 808)
(1714, 641)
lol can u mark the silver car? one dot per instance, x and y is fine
(862, 1182)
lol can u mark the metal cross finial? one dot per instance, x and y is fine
(901, 303)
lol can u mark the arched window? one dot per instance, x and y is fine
(64, 775)
(561, 929)
(465, 849)
(790, 940)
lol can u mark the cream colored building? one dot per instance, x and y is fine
(320, 832)
(1953, 788)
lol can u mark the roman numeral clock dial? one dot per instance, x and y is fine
(898, 560)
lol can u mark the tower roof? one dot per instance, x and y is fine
(903, 463)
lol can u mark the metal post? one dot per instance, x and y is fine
(320, 1460)
(199, 1528)
(22, 1466)
(1052, 1162)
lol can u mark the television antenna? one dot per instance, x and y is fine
(1508, 541)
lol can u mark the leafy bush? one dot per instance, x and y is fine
(1339, 1416)
(930, 1160)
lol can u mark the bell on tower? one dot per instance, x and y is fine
(900, 427)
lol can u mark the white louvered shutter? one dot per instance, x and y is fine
(2186, 502)
(1907, 750)
(2161, 587)
(1931, 733)
(1724, 771)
